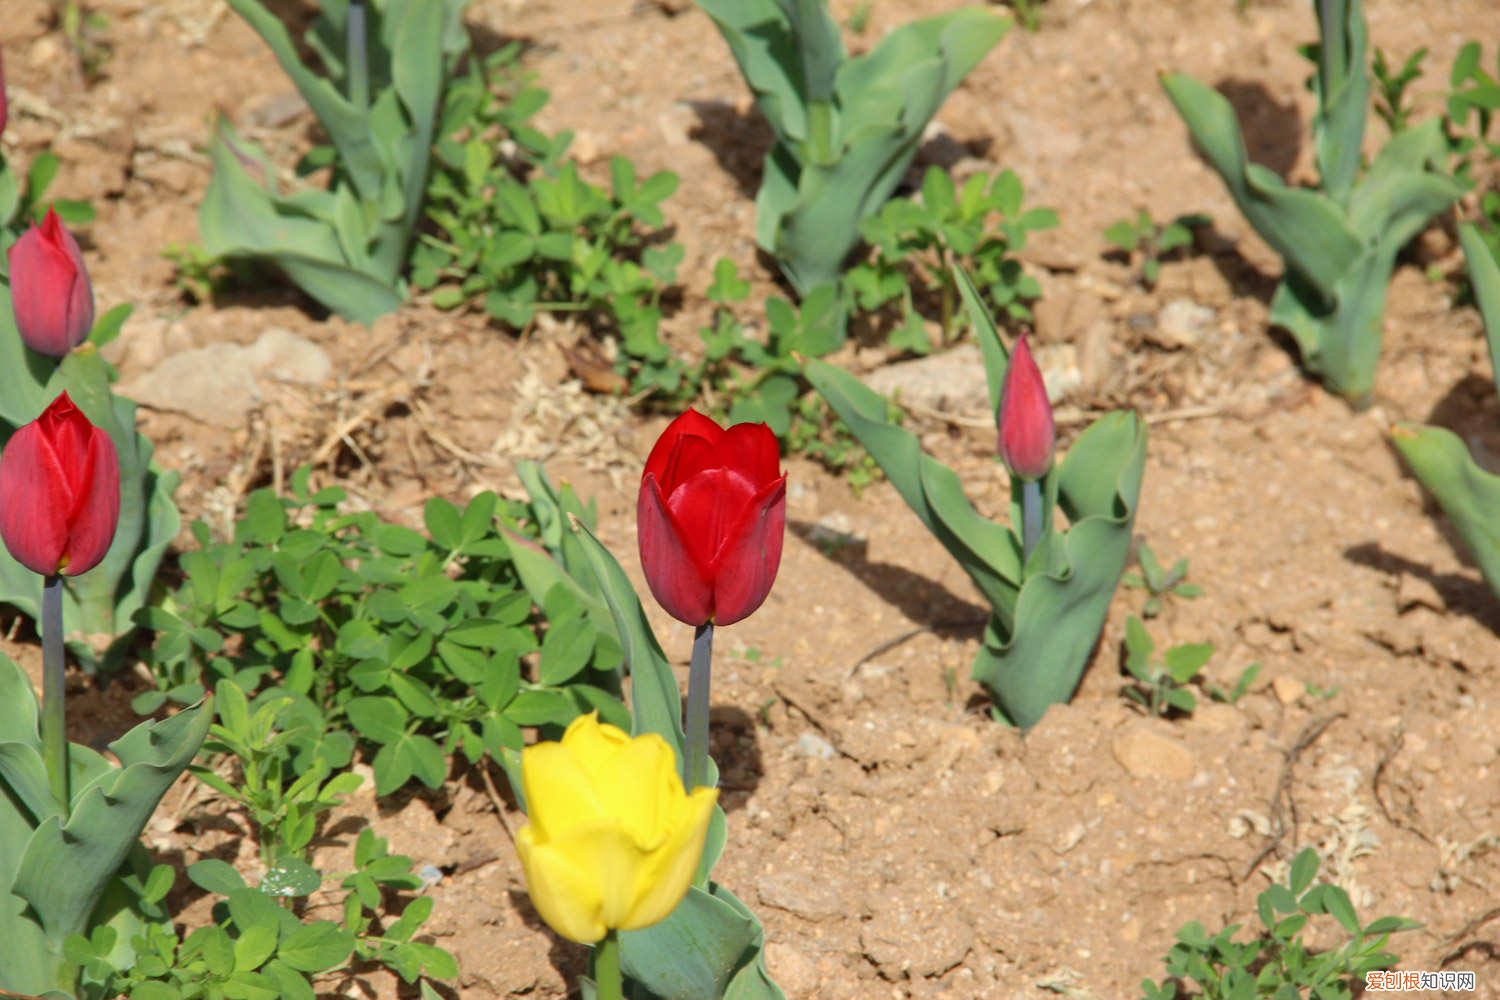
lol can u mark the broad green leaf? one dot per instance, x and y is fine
(1306, 228)
(1467, 493)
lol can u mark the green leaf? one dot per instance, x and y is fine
(316, 947)
(380, 719)
(213, 875)
(1467, 493)
(1304, 867)
(1307, 229)
(254, 947)
(1184, 661)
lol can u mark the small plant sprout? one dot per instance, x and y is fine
(1278, 962)
(1141, 239)
(1391, 102)
(1159, 583)
(1232, 695)
(1162, 684)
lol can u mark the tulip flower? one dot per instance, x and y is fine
(612, 840)
(710, 518)
(49, 289)
(59, 507)
(1027, 437)
(59, 492)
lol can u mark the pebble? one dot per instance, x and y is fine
(952, 381)
(1146, 753)
(219, 384)
(1182, 323)
(812, 745)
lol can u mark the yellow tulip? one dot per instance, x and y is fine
(613, 841)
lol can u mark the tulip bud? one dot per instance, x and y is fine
(613, 840)
(710, 519)
(49, 289)
(59, 492)
(1027, 436)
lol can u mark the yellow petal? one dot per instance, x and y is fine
(665, 879)
(560, 793)
(565, 894)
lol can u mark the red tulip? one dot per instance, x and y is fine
(49, 289)
(59, 492)
(1027, 436)
(710, 518)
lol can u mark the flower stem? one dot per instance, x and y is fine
(819, 132)
(54, 721)
(1031, 517)
(359, 70)
(695, 767)
(607, 980)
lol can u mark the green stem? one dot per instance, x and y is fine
(695, 767)
(608, 983)
(54, 718)
(820, 133)
(1031, 517)
(359, 69)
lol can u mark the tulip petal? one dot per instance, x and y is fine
(674, 864)
(752, 450)
(34, 501)
(638, 780)
(691, 457)
(96, 515)
(1027, 435)
(564, 888)
(558, 788)
(673, 574)
(705, 509)
(51, 296)
(746, 567)
(689, 424)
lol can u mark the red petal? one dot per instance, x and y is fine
(747, 565)
(705, 509)
(34, 500)
(671, 571)
(50, 291)
(690, 424)
(1027, 436)
(92, 528)
(751, 449)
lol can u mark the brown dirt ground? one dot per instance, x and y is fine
(935, 852)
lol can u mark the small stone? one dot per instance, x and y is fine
(1146, 753)
(812, 745)
(218, 384)
(1287, 689)
(211, 384)
(952, 381)
(1182, 323)
(285, 357)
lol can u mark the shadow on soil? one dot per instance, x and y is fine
(1273, 131)
(1461, 594)
(922, 600)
